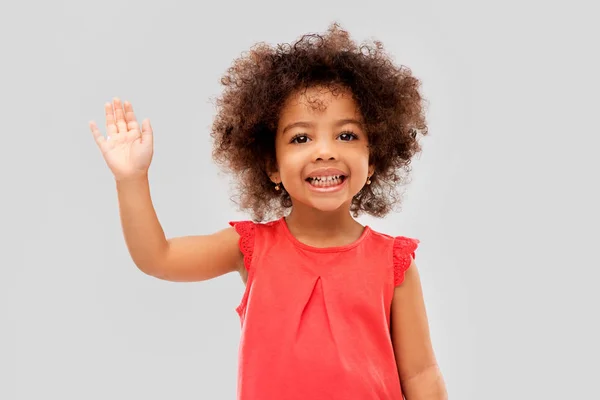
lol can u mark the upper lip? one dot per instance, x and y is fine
(325, 172)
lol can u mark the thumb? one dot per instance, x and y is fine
(146, 130)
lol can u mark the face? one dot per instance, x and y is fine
(322, 149)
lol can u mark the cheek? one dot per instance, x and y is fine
(290, 164)
(360, 163)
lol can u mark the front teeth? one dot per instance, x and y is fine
(325, 178)
(326, 181)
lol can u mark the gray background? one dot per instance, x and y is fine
(504, 196)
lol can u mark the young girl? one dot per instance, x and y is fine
(316, 133)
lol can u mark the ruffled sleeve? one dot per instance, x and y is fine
(246, 230)
(404, 252)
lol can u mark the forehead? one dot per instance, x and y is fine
(319, 102)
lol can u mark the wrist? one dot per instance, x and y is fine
(132, 179)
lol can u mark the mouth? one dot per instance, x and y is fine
(326, 183)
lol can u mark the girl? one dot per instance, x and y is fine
(316, 132)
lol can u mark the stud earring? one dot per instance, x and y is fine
(277, 187)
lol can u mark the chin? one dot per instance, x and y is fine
(327, 204)
(330, 207)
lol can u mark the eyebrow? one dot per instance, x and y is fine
(305, 124)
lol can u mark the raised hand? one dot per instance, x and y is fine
(126, 150)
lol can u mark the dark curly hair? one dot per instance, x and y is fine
(257, 85)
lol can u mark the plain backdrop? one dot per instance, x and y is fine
(504, 196)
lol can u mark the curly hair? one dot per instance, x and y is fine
(258, 84)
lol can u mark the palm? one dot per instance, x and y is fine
(126, 150)
(126, 153)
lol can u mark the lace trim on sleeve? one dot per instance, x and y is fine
(404, 252)
(246, 231)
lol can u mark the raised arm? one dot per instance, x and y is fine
(128, 151)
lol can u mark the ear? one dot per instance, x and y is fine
(272, 171)
(371, 170)
(275, 178)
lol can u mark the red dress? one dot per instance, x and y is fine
(316, 321)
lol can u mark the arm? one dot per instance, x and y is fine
(419, 373)
(181, 259)
(127, 150)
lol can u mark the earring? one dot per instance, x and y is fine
(368, 180)
(277, 187)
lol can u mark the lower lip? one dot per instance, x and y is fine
(327, 189)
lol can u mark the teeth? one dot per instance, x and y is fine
(325, 178)
(324, 181)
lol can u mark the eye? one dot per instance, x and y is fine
(348, 136)
(299, 139)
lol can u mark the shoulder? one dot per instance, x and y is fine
(249, 233)
(403, 252)
(249, 229)
(400, 244)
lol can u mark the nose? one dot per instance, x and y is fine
(325, 150)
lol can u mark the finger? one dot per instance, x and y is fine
(111, 127)
(98, 136)
(147, 134)
(120, 116)
(130, 119)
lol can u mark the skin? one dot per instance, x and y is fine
(317, 219)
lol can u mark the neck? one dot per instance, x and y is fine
(313, 225)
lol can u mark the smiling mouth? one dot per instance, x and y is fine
(326, 181)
